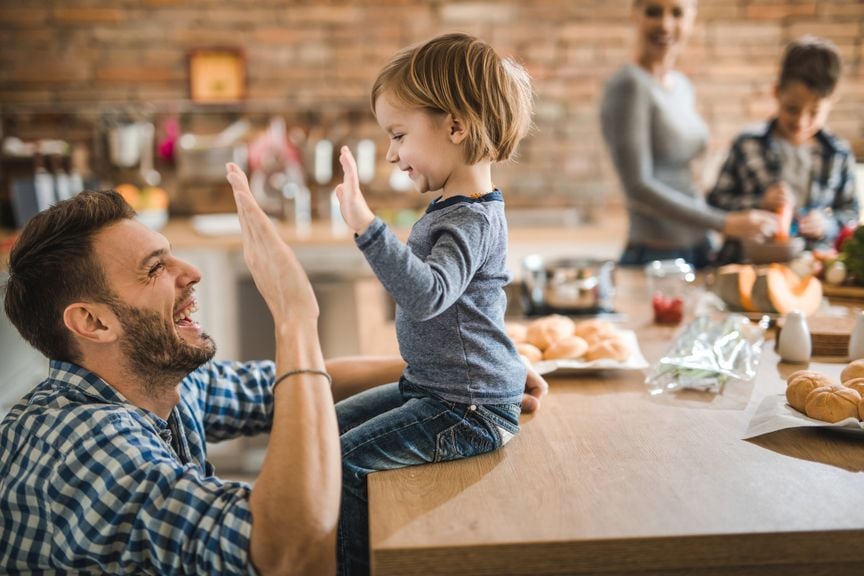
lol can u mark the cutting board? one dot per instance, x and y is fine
(829, 335)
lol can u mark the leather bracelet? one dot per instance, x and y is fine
(302, 371)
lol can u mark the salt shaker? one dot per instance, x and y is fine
(856, 339)
(793, 344)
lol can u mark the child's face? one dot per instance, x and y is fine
(801, 112)
(421, 143)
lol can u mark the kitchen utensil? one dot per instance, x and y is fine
(567, 285)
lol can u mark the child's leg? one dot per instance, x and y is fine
(364, 406)
(421, 430)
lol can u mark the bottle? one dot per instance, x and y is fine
(856, 339)
(793, 344)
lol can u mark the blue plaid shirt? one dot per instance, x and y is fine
(92, 484)
(754, 164)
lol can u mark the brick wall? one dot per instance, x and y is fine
(317, 60)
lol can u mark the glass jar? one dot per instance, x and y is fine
(670, 283)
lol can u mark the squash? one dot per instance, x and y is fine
(772, 288)
(734, 285)
(778, 289)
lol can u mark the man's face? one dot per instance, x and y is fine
(155, 298)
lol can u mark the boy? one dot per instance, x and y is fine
(793, 164)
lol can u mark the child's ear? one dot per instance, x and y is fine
(91, 322)
(458, 132)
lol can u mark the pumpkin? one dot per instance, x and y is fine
(772, 288)
(734, 285)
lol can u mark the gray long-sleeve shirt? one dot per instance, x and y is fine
(448, 284)
(653, 133)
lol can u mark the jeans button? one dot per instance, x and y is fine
(472, 407)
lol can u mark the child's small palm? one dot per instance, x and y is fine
(352, 204)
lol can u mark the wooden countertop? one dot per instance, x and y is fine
(608, 479)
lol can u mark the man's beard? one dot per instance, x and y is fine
(155, 353)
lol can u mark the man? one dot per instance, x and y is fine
(103, 465)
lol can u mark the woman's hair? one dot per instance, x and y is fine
(460, 75)
(813, 61)
(52, 265)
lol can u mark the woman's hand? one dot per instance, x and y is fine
(278, 275)
(352, 204)
(812, 224)
(750, 225)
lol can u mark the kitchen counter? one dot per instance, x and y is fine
(607, 479)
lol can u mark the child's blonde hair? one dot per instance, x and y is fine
(460, 75)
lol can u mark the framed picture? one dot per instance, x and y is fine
(217, 75)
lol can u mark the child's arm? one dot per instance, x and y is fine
(352, 204)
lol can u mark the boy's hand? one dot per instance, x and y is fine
(812, 224)
(352, 204)
(777, 196)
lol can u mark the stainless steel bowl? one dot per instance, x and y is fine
(567, 285)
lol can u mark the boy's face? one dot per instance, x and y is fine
(801, 112)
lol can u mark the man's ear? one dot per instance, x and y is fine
(92, 322)
(458, 132)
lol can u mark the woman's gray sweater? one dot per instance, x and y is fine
(653, 133)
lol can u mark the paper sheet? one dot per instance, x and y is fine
(773, 414)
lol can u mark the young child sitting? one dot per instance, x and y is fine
(451, 107)
(793, 165)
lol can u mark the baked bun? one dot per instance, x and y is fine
(856, 384)
(590, 329)
(613, 348)
(800, 384)
(544, 331)
(833, 403)
(529, 351)
(517, 332)
(854, 369)
(861, 409)
(569, 347)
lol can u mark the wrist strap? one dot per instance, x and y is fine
(302, 371)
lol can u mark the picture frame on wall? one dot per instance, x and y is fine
(217, 75)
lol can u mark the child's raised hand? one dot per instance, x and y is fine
(352, 204)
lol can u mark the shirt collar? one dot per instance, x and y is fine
(438, 204)
(822, 138)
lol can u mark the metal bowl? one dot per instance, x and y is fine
(567, 285)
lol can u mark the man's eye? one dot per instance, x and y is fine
(156, 269)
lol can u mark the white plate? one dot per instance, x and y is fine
(217, 224)
(636, 360)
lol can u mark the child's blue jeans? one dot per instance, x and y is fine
(398, 425)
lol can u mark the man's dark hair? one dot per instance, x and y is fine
(52, 265)
(813, 61)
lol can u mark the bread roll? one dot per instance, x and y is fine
(854, 369)
(569, 347)
(833, 403)
(861, 409)
(529, 351)
(587, 329)
(516, 331)
(856, 384)
(544, 331)
(800, 384)
(613, 348)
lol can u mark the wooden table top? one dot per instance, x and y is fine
(609, 479)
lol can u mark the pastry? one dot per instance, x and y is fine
(517, 332)
(569, 347)
(833, 403)
(854, 369)
(800, 384)
(546, 330)
(856, 384)
(590, 329)
(529, 351)
(613, 348)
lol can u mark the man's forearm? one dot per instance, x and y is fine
(295, 500)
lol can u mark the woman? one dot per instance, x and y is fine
(654, 132)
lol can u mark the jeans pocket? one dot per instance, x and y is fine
(471, 436)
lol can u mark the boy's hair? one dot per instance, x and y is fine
(460, 75)
(812, 61)
(52, 265)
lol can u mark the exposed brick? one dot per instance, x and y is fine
(113, 73)
(66, 15)
(10, 17)
(779, 11)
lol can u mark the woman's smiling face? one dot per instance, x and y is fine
(662, 26)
